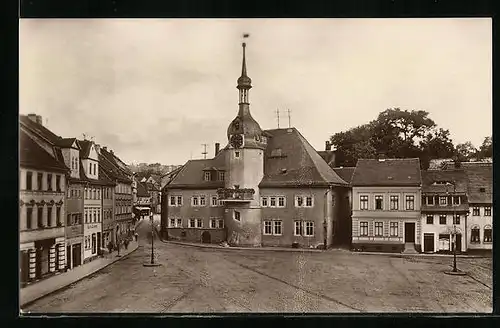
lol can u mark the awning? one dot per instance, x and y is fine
(140, 208)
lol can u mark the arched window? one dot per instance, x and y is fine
(487, 237)
(474, 234)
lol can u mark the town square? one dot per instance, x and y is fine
(229, 170)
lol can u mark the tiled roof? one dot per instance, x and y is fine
(345, 173)
(84, 148)
(112, 168)
(142, 190)
(465, 165)
(66, 142)
(190, 174)
(328, 156)
(388, 172)
(430, 177)
(480, 177)
(39, 129)
(289, 160)
(33, 156)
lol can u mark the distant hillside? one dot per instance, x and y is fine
(155, 169)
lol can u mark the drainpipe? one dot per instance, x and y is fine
(325, 222)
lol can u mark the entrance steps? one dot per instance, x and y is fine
(410, 249)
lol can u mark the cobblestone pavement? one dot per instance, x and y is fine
(208, 280)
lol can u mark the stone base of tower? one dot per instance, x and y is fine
(248, 230)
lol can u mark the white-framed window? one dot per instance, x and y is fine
(268, 227)
(213, 223)
(179, 200)
(179, 223)
(214, 201)
(363, 228)
(410, 202)
(272, 201)
(199, 223)
(488, 236)
(202, 201)
(207, 176)
(221, 175)
(456, 200)
(192, 223)
(304, 201)
(430, 200)
(393, 229)
(281, 201)
(263, 201)
(299, 201)
(430, 219)
(297, 231)
(309, 201)
(363, 202)
(194, 201)
(487, 211)
(379, 202)
(237, 216)
(474, 235)
(221, 202)
(394, 202)
(220, 223)
(171, 223)
(277, 228)
(172, 201)
(379, 229)
(309, 228)
(443, 200)
(475, 211)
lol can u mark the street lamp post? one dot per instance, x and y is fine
(152, 239)
(455, 271)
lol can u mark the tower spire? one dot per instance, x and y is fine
(244, 82)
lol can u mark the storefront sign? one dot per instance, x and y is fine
(92, 226)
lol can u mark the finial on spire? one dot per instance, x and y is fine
(244, 82)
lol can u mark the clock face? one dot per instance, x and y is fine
(237, 141)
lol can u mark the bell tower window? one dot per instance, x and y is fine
(237, 154)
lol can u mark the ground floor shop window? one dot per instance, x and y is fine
(487, 235)
(393, 229)
(94, 243)
(444, 242)
(474, 235)
(363, 228)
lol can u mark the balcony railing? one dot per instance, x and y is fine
(235, 194)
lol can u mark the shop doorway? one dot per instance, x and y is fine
(76, 255)
(206, 238)
(409, 232)
(428, 242)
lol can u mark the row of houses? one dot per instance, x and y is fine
(76, 197)
(398, 207)
(272, 188)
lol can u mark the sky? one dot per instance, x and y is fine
(155, 90)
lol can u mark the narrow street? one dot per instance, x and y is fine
(211, 280)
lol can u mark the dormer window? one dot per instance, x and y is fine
(207, 176)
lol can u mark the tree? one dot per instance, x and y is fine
(395, 133)
(486, 149)
(436, 144)
(465, 151)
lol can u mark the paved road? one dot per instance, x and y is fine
(207, 280)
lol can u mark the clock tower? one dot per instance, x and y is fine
(245, 170)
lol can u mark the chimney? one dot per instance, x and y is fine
(328, 145)
(98, 148)
(111, 151)
(217, 148)
(105, 148)
(32, 117)
(39, 119)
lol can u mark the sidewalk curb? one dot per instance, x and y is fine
(79, 279)
(268, 249)
(423, 255)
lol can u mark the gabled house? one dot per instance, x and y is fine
(480, 193)
(386, 205)
(444, 210)
(264, 188)
(42, 188)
